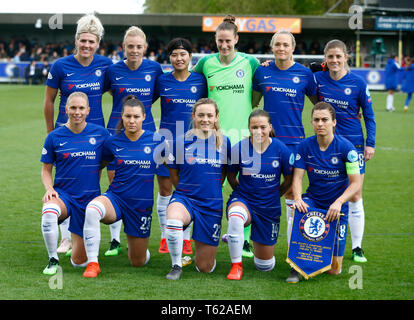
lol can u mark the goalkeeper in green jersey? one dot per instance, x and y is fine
(229, 77)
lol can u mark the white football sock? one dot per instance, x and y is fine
(115, 229)
(148, 256)
(356, 220)
(50, 230)
(264, 265)
(289, 217)
(174, 235)
(390, 101)
(95, 212)
(187, 231)
(162, 204)
(64, 229)
(235, 232)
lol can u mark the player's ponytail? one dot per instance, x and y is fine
(129, 101)
(229, 23)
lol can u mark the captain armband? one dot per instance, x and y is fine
(352, 167)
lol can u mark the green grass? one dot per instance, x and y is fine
(388, 240)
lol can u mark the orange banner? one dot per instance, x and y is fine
(255, 24)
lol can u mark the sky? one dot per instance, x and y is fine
(72, 6)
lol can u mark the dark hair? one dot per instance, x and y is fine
(324, 106)
(179, 43)
(229, 23)
(262, 113)
(129, 101)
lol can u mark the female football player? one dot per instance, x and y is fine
(229, 75)
(284, 84)
(331, 162)
(262, 160)
(349, 94)
(178, 91)
(83, 71)
(75, 149)
(197, 170)
(135, 154)
(134, 75)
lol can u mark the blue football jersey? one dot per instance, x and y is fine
(348, 96)
(140, 83)
(284, 94)
(200, 167)
(326, 170)
(177, 100)
(68, 75)
(260, 174)
(134, 163)
(77, 157)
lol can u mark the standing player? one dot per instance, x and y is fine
(262, 160)
(83, 71)
(284, 84)
(348, 94)
(134, 75)
(391, 80)
(408, 84)
(197, 171)
(76, 150)
(229, 77)
(130, 195)
(331, 163)
(178, 91)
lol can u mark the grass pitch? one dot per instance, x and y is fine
(388, 240)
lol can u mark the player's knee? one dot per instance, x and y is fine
(139, 260)
(264, 265)
(206, 266)
(78, 262)
(94, 211)
(237, 219)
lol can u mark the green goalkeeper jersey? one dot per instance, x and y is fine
(231, 87)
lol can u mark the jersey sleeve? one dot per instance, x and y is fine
(156, 93)
(351, 159)
(300, 157)
(368, 113)
(256, 81)
(161, 151)
(235, 158)
(107, 80)
(48, 152)
(55, 75)
(199, 67)
(107, 154)
(254, 63)
(311, 85)
(287, 160)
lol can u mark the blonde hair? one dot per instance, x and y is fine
(337, 44)
(134, 31)
(89, 24)
(217, 131)
(283, 31)
(77, 94)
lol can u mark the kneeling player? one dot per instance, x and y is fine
(260, 162)
(332, 166)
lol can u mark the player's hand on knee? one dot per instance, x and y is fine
(300, 205)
